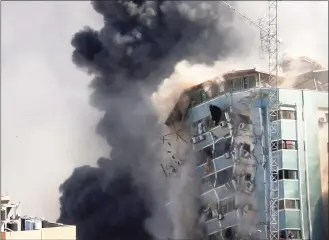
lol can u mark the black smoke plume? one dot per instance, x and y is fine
(138, 46)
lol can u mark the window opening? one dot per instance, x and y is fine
(284, 114)
(247, 177)
(245, 82)
(291, 234)
(288, 174)
(284, 144)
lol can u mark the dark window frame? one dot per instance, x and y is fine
(220, 180)
(284, 145)
(296, 232)
(227, 205)
(288, 174)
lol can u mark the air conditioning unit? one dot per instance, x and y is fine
(201, 128)
(222, 124)
(197, 139)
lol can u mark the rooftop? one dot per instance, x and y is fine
(184, 102)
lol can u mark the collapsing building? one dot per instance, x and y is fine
(229, 127)
(13, 226)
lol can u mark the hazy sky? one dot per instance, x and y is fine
(47, 126)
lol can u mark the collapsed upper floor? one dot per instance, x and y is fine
(236, 81)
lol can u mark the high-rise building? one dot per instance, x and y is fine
(15, 227)
(229, 127)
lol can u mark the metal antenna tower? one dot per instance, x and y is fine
(269, 43)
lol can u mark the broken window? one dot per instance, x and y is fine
(245, 82)
(197, 97)
(208, 167)
(290, 234)
(224, 176)
(199, 127)
(229, 233)
(237, 84)
(252, 81)
(291, 204)
(212, 90)
(208, 152)
(228, 85)
(287, 144)
(245, 148)
(227, 205)
(284, 144)
(288, 174)
(284, 114)
(207, 183)
(216, 114)
(247, 177)
(208, 213)
(222, 147)
(203, 96)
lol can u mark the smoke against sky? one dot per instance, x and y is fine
(302, 26)
(48, 127)
(47, 123)
(139, 45)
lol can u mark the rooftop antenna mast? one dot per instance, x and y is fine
(269, 44)
(268, 27)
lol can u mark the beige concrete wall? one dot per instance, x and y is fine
(323, 141)
(60, 233)
(22, 235)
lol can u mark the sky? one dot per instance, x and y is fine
(47, 125)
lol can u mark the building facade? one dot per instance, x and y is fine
(15, 227)
(229, 126)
